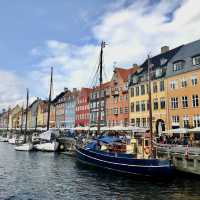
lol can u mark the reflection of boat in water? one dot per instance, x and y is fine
(48, 141)
(111, 153)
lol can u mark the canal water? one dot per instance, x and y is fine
(37, 175)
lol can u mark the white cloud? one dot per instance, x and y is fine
(131, 33)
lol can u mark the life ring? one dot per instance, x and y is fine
(147, 150)
(62, 147)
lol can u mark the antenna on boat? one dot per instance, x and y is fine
(150, 106)
(49, 102)
(103, 44)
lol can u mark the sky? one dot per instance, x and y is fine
(66, 34)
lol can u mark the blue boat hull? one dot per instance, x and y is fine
(125, 164)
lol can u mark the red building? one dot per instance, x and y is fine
(82, 108)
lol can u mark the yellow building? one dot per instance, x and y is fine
(138, 92)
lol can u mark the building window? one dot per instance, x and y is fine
(142, 105)
(155, 104)
(162, 85)
(137, 107)
(144, 122)
(138, 122)
(196, 60)
(142, 89)
(183, 83)
(195, 100)
(184, 101)
(137, 91)
(132, 107)
(194, 80)
(173, 84)
(186, 121)
(196, 121)
(132, 92)
(175, 119)
(174, 102)
(126, 110)
(121, 110)
(133, 122)
(178, 65)
(162, 103)
(155, 88)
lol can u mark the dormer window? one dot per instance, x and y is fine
(178, 65)
(196, 60)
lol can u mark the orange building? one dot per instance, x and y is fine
(183, 88)
(117, 105)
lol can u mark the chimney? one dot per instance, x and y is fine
(164, 49)
(135, 65)
(74, 89)
(65, 89)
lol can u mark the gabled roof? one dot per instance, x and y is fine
(62, 94)
(186, 53)
(124, 73)
(161, 59)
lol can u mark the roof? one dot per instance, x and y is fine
(161, 59)
(124, 73)
(186, 53)
(104, 85)
(62, 94)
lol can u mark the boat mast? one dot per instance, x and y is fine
(22, 115)
(8, 116)
(100, 86)
(150, 106)
(27, 98)
(36, 117)
(49, 102)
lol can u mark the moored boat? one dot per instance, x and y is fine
(24, 147)
(115, 158)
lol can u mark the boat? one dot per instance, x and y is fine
(24, 147)
(12, 140)
(22, 144)
(113, 154)
(48, 141)
(3, 139)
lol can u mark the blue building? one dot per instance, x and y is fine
(70, 108)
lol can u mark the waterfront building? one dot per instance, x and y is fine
(33, 112)
(14, 117)
(117, 105)
(82, 107)
(94, 104)
(41, 114)
(183, 87)
(138, 92)
(70, 108)
(59, 103)
(4, 119)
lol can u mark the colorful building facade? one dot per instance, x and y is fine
(70, 108)
(82, 107)
(117, 105)
(183, 87)
(139, 88)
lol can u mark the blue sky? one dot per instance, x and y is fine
(66, 34)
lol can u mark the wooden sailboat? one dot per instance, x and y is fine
(27, 145)
(111, 153)
(47, 143)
